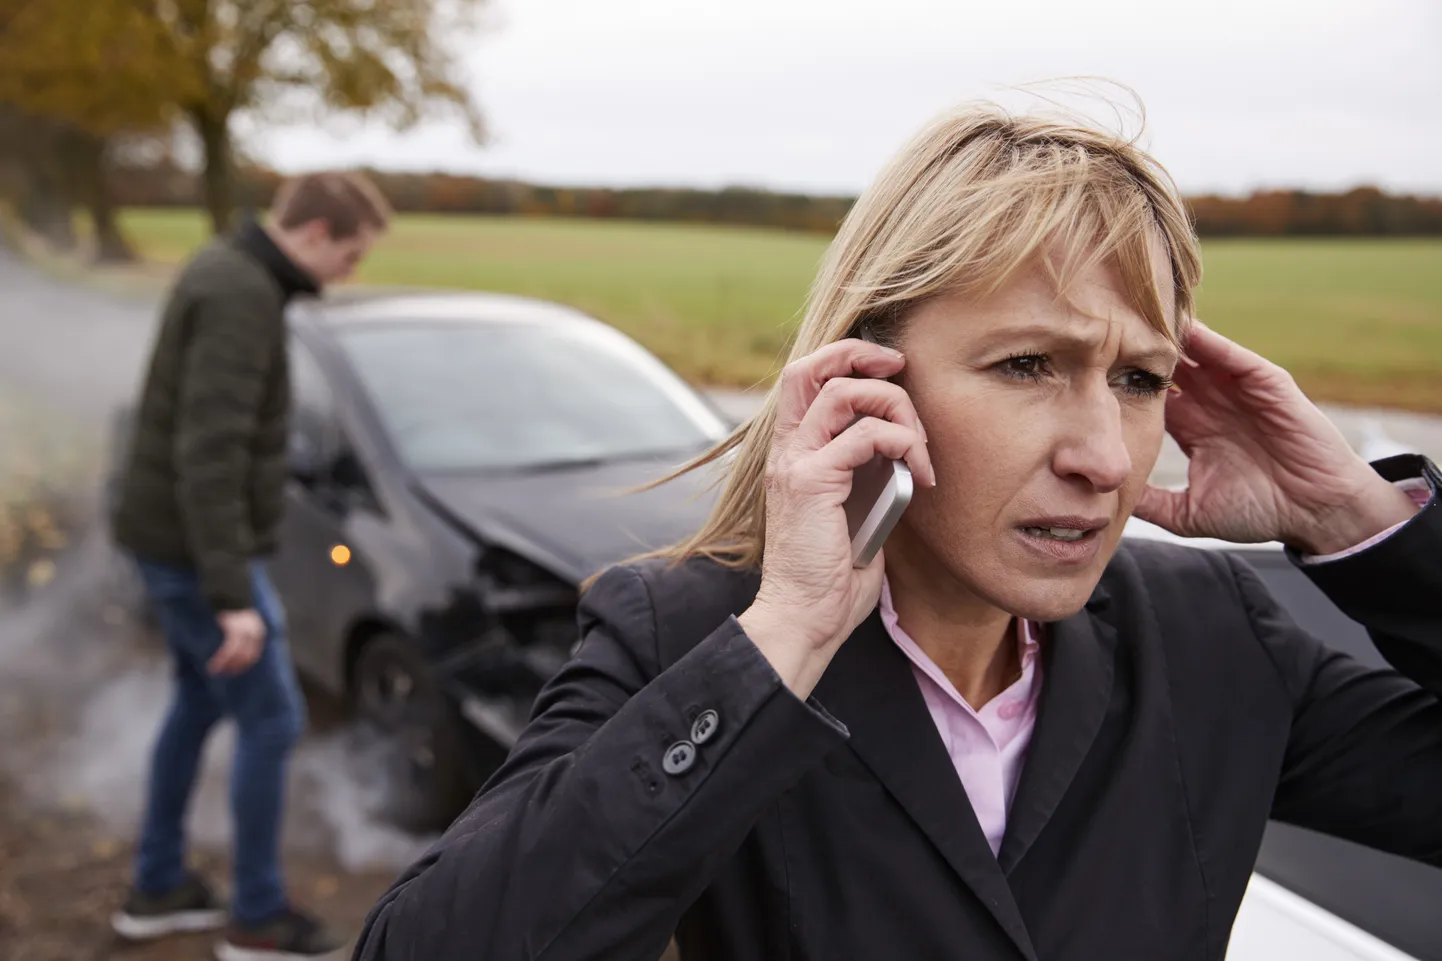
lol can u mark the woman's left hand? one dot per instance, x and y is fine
(1265, 463)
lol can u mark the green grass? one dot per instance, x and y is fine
(1355, 320)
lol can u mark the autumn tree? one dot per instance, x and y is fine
(273, 59)
(77, 76)
(102, 66)
(108, 65)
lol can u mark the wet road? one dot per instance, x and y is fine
(75, 349)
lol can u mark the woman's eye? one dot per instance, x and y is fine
(1144, 383)
(1029, 366)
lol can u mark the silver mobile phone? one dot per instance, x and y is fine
(880, 491)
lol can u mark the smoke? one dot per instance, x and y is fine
(340, 775)
(84, 685)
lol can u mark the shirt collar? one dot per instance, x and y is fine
(1028, 646)
(253, 239)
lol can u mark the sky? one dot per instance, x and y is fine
(814, 95)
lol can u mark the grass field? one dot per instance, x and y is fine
(1356, 321)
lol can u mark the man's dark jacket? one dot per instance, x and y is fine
(203, 481)
(1179, 711)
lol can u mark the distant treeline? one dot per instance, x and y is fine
(1363, 211)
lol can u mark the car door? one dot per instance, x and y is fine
(313, 547)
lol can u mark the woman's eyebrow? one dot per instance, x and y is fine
(1158, 352)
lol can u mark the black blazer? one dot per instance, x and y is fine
(1180, 710)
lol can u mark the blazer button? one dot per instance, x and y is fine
(704, 728)
(679, 758)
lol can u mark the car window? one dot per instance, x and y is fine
(312, 403)
(1389, 897)
(509, 396)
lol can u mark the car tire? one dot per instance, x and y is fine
(395, 695)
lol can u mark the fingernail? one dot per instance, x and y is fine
(894, 352)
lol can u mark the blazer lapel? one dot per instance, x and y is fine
(1078, 662)
(870, 688)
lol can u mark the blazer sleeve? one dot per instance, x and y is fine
(587, 843)
(1364, 755)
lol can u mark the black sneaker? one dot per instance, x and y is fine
(289, 936)
(190, 907)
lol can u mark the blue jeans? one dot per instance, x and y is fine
(269, 712)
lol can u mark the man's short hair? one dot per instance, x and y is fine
(345, 200)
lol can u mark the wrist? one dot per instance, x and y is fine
(1376, 506)
(789, 644)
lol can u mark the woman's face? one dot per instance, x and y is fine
(1044, 418)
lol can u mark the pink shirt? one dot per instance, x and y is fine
(988, 747)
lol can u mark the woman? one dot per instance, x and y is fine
(1004, 738)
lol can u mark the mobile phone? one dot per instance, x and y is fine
(880, 491)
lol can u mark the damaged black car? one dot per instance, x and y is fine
(459, 464)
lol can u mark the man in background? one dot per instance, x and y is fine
(198, 508)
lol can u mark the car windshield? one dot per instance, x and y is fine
(496, 396)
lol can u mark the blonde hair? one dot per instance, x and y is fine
(975, 196)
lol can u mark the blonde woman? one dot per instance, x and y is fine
(1005, 738)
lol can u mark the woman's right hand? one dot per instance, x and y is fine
(811, 598)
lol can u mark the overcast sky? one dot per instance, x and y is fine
(815, 94)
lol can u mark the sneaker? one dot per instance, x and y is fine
(289, 936)
(190, 907)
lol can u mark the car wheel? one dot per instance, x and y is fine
(394, 693)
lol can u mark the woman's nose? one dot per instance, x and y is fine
(1094, 447)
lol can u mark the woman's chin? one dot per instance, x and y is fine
(1043, 598)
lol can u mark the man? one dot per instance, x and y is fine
(198, 507)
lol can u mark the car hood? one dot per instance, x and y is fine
(575, 521)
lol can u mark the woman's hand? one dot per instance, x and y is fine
(811, 598)
(1265, 463)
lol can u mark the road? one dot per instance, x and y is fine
(69, 346)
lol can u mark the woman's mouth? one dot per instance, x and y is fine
(1073, 540)
(1057, 533)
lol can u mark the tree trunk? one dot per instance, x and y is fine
(45, 194)
(46, 211)
(111, 246)
(218, 177)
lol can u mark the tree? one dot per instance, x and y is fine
(75, 76)
(113, 65)
(271, 58)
